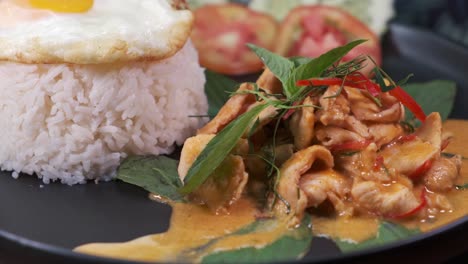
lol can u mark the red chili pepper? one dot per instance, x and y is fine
(290, 111)
(379, 162)
(409, 102)
(364, 83)
(415, 210)
(421, 169)
(350, 146)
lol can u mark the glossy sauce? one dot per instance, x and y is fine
(192, 226)
(361, 228)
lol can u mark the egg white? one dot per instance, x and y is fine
(111, 31)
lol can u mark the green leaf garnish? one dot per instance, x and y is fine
(291, 245)
(217, 149)
(462, 187)
(155, 174)
(317, 66)
(434, 96)
(279, 66)
(388, 232)
(217, 89)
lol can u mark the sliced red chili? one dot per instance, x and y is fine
(409, 102)
(290, 111)
(364, 83)
(418, 208)
(379, 162)
(350, 146)
(421, 169)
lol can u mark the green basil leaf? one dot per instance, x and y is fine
(279, 66)
(156, 174)
(388, 232)
(292, 245)
(217, 149)
(298, 61)
(217, 89)
(317, 66)
(434, 96)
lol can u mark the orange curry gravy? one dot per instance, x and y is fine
(193, 226)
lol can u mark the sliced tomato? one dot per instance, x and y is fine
(312, 30)
(221, 33)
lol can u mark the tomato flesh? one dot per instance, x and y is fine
(315, 29)
(221, 33)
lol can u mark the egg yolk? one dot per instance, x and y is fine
(67, 6)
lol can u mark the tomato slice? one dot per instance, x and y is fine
(221, 33)
(311, 30)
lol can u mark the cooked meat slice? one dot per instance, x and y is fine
(325, 184)
(334, 110)
(407, 157)
(387, 200)
(331, 135)
(234, 107)
(224, 186)
(193, 146)
(442, 175)
(302, 125)
(383, 134)
(355, 125)
(431, 130)
(364, 108)
(293, 200)
(226, 183)
(268, 82)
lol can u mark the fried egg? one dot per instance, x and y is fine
(91, 32)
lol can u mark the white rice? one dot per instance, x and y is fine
(77, 122)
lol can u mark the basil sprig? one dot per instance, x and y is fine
(217, 149)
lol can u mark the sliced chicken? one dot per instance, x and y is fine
(326, 185)
(292, 200)
(431, 130)
(386, 200)
(226, 184)
(383, 134)
(407, 156)
(364, 108)
(269, 83)
(302, 125)
(234, 107)
(334, 109)
(331, 135)
(442, 175)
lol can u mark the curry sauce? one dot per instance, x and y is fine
(192, 226)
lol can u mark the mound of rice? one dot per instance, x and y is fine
(77, 122)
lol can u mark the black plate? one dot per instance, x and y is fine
(42, 223)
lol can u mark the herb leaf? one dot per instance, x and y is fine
(317, 66)
(279, 66)
(388, 232)
(217, 89)
(462, 187)
(434, 96)
(155, 174)
(217, 149)
(292, 245)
